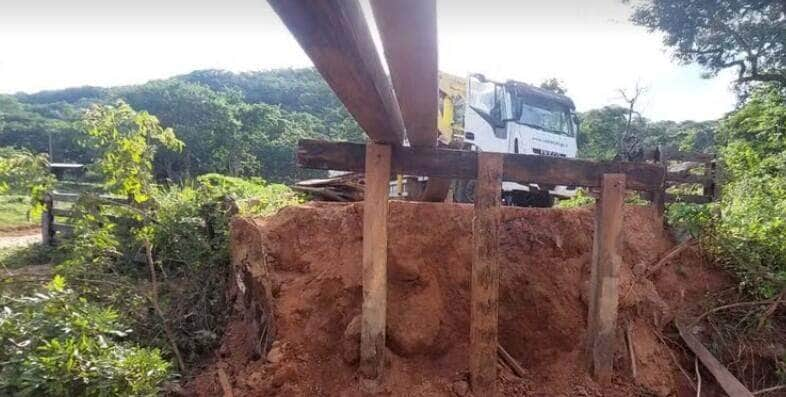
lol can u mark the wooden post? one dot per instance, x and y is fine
(659, 196)
(485, 276)
(375, 251)
(47, 219)
(606, 259)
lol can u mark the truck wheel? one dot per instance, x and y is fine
(538, 199)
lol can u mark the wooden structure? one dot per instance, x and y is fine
(681, 171)
(55, 218)
(336, 37)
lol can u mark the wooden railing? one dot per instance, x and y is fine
(681, 171)
(56, 219)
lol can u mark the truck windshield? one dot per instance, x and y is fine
(556, 121)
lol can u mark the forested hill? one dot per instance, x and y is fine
(248, 123)
(240, 124)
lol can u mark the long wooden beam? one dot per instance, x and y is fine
(459, 164)
(336, 37)
(408, 29)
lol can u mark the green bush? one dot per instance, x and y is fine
(58, 344)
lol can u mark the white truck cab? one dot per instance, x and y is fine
(514, 117)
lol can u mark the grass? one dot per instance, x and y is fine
(13, 212)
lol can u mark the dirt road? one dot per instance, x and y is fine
(16, 240)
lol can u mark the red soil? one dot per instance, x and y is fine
(303, 266)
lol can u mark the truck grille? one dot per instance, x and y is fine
(547, 153)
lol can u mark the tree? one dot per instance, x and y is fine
(554, 85)
(749, 35)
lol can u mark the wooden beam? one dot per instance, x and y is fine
(336, 37)
(731, 385)
(484, 282)
(687, 198)
(686, 176)
(459, 164)
(375, 251)
(606, 260)
(408, 29)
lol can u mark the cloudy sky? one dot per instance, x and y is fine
(588, 44)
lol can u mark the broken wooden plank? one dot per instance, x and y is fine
(408, 29)
(460, 164)
(606, 260)
(651, 269)
(336, 37)
(731, 385)
(375, 254)
(484, 281)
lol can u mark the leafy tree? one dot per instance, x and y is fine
(554, 85)
(126, 142)
(749, 35)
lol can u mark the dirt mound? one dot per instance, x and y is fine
(295, 328)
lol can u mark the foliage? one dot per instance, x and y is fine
(241, 124)
(694, 219)
(56, 343)
(749, 35)
(602, 129)
(126, 143)
(581, 199)
(22, 172)
(554, 85)
(747, 230)
(15, 212)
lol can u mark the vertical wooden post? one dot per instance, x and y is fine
(485, 276)
(375, 251)
(709, 184)
(47, 219)
(659, 196)
(606, 259)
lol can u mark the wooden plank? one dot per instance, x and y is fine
(336, 37)
(606, 260)
(74, 197)
(61, 212)
(687, 198)
(375, 240)
(677, 155)
(408, 29)
(484, 282)
(686, 177)
(731, 385)
(59, 227)
(459, 164)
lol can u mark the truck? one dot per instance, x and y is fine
(479, 114)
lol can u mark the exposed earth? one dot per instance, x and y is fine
(294, 330)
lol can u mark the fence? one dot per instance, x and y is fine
(686, 169)
(55, 219)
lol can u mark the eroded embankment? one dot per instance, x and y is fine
(303, 267)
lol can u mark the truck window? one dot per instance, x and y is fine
(551, 120)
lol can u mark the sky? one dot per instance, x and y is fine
(588, 44)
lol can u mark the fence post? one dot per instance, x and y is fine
(47, 219)
(606, 259)
(484, 282)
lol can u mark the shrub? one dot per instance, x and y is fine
(57, 343)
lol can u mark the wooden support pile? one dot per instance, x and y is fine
(337, 39)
